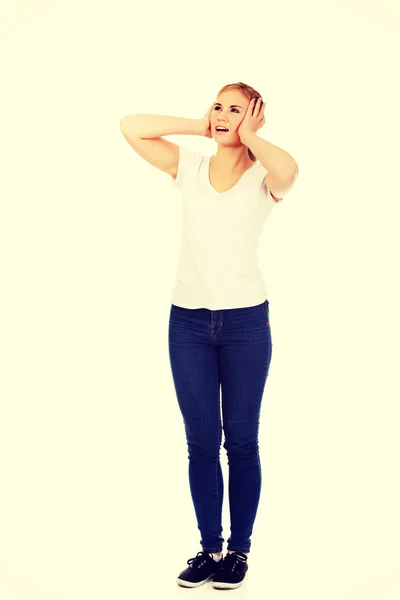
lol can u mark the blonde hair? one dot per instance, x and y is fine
(250, 92)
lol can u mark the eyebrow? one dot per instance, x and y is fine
(231, 106)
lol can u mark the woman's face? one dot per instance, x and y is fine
(228, 110)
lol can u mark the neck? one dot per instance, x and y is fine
(231, 159)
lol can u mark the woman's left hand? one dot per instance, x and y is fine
(254, 117)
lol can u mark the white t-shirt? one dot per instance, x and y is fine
(220, 235)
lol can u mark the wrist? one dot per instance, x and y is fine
(200, 127)
(246, 136)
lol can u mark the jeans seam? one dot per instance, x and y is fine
(216, 470)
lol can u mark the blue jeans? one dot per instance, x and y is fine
(231, 349)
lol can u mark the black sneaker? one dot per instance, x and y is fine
(232, 570)
(201, 568)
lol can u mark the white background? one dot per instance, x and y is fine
(95, 499)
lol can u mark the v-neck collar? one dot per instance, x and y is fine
(207, 171)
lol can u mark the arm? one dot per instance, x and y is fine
(155, 126)
(144, 133)
(281, 166)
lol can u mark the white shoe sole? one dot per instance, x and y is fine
(227, 586)
(190, 584)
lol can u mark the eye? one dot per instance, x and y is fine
(217, 107)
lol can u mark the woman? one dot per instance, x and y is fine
(219, 330)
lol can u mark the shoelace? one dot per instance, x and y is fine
(231, 561)
(198, 560)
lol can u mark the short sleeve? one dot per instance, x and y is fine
(187, 165)
(270, 198)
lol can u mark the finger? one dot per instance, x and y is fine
(256, 107)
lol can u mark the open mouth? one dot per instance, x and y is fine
(221, 129)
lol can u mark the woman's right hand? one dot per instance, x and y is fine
(206, 122)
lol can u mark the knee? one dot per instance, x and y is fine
(203, 453)
(241, 450)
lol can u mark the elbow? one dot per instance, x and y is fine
(126, 122)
